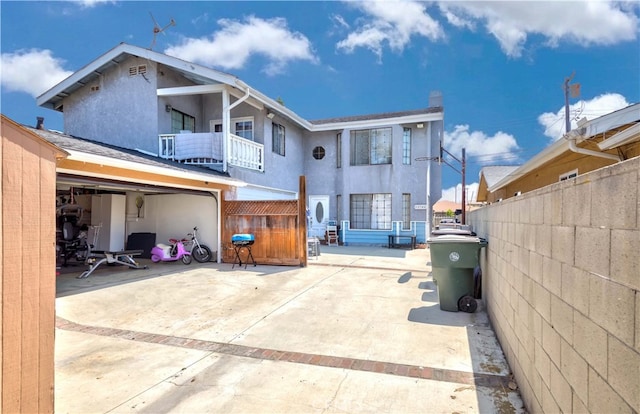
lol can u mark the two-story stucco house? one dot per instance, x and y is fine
(361, 171)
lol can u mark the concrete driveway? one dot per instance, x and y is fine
(357, 330)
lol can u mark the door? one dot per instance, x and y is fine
(318, 215)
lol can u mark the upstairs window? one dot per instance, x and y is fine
(277, 139)
(182, 122)
(406, 146)
(339, 150)
(242, 127)
(371, 146)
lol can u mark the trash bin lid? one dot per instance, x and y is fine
(441, 232)
(453, 238)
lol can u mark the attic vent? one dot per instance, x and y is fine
(137, 70)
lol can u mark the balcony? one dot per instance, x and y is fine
(207, 149)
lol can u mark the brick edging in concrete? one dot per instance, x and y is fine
(389, 368)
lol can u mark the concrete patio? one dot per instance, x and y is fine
(357, 330)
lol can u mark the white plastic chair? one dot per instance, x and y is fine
(332, 235)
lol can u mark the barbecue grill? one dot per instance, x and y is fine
(243, 241)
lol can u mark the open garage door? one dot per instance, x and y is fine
(115, 215)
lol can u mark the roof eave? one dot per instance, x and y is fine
(548, 154)
(366, 123)
(113, 56)
(75, 155)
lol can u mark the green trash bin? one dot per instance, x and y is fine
(454, 259)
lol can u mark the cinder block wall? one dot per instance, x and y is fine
(561, 281)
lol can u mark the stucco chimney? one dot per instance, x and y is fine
(435, 99)
(40, 124)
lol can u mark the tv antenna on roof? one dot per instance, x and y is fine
(158, 29)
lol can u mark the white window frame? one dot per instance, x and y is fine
(218, 123)
(568, 175)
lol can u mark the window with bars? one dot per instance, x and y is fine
(371, 146)
(182, 122)
(406, 146)
(370, 211)
(406, 211)
(277, 139)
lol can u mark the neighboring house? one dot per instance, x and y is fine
(592, 145)
(489, 176)
(361, 171)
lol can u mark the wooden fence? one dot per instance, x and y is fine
(275, 225)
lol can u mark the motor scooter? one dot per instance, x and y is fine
(171, 253)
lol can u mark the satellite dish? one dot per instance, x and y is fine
(159, 29)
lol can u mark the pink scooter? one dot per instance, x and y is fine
(171, 253)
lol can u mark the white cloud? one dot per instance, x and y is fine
(487, 149)
(455, 193)
(583, 23)
(32, 71)
(236, 42)
(92, 3)
(554, 123)
(392, 23)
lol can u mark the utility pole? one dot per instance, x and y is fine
(462, 171)
(464, 191)
(575, 92)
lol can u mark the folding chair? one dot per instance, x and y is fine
(332, 235)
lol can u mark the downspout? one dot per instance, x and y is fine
(572, 135)
(226, 120)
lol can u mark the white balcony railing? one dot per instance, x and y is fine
(245, 153)
(207, 149)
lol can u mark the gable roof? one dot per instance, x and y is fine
(609, 125)
(494, 173)
(202, 75)
(84, 150)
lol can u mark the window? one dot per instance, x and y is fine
(318, 153)
(242, 127)
(277, 139)
(371, 146)
(338, 207)
(406, 146)
(182, 122)
(570, 174)
(370, 211)
(406, 211)
(339, 150)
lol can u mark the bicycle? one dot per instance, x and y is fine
(200, 252)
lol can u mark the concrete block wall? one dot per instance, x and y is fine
(561, 282)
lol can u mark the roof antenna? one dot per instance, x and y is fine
(158, 29)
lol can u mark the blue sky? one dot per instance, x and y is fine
(500, 66)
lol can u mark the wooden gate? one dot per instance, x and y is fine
(275, 225)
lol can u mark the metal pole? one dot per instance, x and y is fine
(464, 207)
(566, 102)
(429, 214)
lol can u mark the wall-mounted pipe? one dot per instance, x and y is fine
(573, 147)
